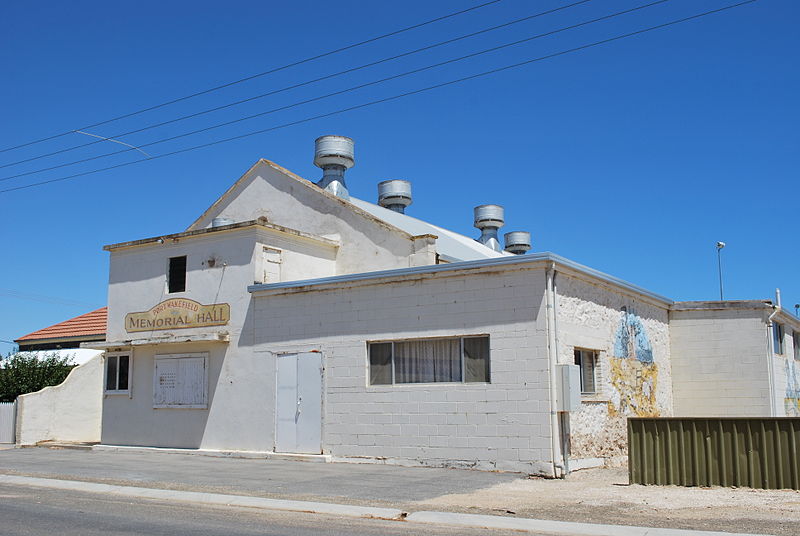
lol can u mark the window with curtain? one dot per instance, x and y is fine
(450, 360)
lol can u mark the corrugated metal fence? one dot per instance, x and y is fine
(7, 421)
(749, 452)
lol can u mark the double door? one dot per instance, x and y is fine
(298, 406)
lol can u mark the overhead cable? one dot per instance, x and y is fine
(264, 73)
(301, 84)
(343, 91)
(394, 97)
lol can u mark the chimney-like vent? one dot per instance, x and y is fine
(394, 195)
(335, 155)
(518, 242)
(219, 222)
(489, 218)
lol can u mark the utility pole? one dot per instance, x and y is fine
(720, 245)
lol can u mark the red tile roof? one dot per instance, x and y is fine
(93, 323)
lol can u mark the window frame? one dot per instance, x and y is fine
(595, 355)
(185, 273)
(796, 344)
(460, 338)
(778, 336)
(116, 356)
(164, 357)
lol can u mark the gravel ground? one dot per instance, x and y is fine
(604, 496)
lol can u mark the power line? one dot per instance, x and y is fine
(42, 298)
(258, 75)
(396, 97)
(347, 90)
(298, 85)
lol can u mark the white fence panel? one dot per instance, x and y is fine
(7, 421)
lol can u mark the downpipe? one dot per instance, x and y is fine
(552, 356)
(770, 357)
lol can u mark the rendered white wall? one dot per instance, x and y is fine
(69, 412)
(283, 198)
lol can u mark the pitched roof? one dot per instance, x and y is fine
(93, 323)
(451, 245)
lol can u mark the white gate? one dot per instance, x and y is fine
(8, 421)
(298, 409)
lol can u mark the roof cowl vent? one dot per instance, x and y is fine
(394, 195)
(335, 155)
(489, 219)
(518, 242)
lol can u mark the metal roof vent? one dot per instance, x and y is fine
(335, 155)
(219, 222)
(489, 218)
(518, 242)
(394, 195)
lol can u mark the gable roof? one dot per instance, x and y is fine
(450, 245)
(92, 323)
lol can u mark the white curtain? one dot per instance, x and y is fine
(427, 361)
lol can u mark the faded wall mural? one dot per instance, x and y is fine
(791, 403)
(633, 374)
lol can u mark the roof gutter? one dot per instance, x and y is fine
(521, 260)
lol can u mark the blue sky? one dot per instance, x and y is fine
(633, 157)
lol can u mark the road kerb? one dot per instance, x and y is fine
(543, 526)
(217, 499)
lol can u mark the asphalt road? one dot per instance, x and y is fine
(369, 484)
(28, 511)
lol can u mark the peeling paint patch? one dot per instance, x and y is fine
(633, 388)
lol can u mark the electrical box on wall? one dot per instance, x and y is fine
(569, 388)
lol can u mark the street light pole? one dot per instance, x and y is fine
(720, 245)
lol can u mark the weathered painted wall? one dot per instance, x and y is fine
(500, 425)
(219, 268)
(630, 334)
(719, 362)
(138, 282)
(367, 244)
(69, 412)
(786, 368)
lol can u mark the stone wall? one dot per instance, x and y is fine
(630, 334)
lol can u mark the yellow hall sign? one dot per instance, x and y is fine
(178, 313)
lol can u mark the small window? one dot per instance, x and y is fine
(777, 337)
(587, 361)
(176, 275)
(796, 340)
(118, 367)
(180, 381)
(451, 360)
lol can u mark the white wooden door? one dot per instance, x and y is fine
(298, 409)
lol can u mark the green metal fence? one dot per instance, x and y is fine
(749, 452)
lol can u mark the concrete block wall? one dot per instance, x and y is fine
(719, 363)
(498, 425)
